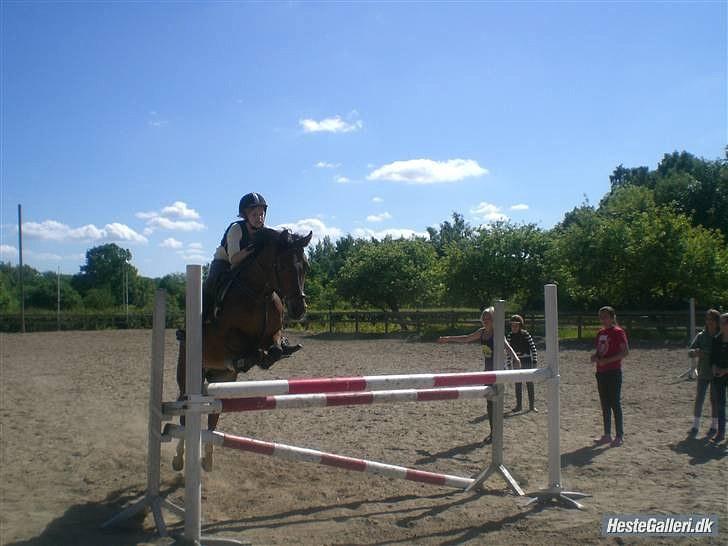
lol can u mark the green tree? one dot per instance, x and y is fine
(502, 260)
(447, 233)
(175, 285)
(325, 261)
(44, 291)
(390, 274)
(105, 269)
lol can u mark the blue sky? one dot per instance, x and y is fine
(144, 123)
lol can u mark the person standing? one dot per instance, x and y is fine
(611, 348)
(484, 334)
(525, 348)
(719, 363)
(700, 348)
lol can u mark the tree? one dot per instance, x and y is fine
(389, 274)
(105, 269)
(175, 286)
(448, 233)
(325, 261)
(502, 260)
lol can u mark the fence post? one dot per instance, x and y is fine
(579, 325)
(331, 321)
(691, 323)
(386, 322)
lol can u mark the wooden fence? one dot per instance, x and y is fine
(674, 325)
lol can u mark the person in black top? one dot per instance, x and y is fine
(719, 364)
(525, 348)
(485, 336)
(237, 244)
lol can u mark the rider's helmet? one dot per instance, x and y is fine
(251, 200)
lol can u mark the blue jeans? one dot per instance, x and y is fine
(703, 385)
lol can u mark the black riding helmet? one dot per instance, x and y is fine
(251, 200)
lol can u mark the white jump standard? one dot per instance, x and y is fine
(337, 391)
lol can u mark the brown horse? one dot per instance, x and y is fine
(248, 330)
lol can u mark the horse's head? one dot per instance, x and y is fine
(291, 267)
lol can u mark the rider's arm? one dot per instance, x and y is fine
(236, 252)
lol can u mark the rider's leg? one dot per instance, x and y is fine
(209, 288)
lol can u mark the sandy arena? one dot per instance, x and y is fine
(74, 414)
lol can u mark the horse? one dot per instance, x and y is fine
(248, 330)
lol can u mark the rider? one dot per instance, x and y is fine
(238, 242)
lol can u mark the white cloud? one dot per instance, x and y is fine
(320, 230)
(45, 256)
(179, 209)
(428, 171)
(488, 212)
(379, 217)
(171, 242)
(377, 200)
(8, 251)
(341, 180)
(193, 253)
(325, 165)
(520, 206)
(330, 125)
(175, 217)
(50, 230)
(395, 233)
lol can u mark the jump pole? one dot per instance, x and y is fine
(554, 491)
(272, 387)
(496, 463)
(193, 415)
(298, 401)
(294, 453)
(152, 498)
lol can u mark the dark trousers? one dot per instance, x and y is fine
(703, 385)
(610, 395)
(719, 386)
(526, 363)
(214, 278)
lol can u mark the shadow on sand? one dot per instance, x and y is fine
(700, 450)
(81, 524)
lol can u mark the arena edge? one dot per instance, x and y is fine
(659, 525)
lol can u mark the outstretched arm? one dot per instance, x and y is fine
(467, 338)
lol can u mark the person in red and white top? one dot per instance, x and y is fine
(611, 348)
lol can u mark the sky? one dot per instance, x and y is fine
(143, 123)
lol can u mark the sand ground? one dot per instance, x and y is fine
(73, 437)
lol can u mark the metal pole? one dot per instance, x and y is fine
(20, 268)
(58, 299)
(155, 396)
(692, 320)
(552, 386)
(193, 376)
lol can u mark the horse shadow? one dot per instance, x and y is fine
(80, 525)
(700, 450)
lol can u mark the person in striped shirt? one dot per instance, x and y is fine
(525, 348)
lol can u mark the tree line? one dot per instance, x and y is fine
(657, 238)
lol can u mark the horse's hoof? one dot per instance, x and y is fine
(178, 463)
(288, 350)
